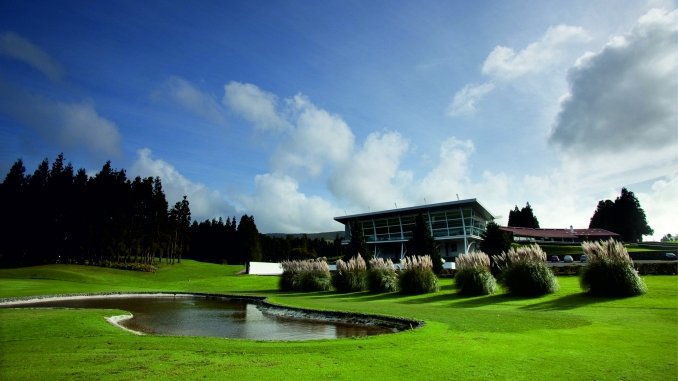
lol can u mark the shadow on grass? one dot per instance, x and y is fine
(567, 302)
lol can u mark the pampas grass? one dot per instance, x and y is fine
(473, 276)
(524, 272)
(416, 276)
(350, 276)
(310, 275)
(610, 271)
(381, 277)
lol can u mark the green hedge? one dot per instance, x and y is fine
(669, 268)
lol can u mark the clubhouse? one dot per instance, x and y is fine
(456, 226)
(559, 236)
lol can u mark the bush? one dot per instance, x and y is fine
(381, 277)
(473, 275)
(416, 276)
(350, 276)
(610, 271)
(307, 276)
(524, 272)
(657, 268)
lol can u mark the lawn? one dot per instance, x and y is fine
(563, 336)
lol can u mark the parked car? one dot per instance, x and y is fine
(554, 258)
(670, 257)
(583, 258)
(568, 259)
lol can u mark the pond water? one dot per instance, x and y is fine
(220, 317)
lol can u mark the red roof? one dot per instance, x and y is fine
(558, 233)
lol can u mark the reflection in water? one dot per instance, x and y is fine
(229, 318)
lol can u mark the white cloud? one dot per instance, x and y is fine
(505, 64)
(661, 207)
(187, 95)
(371, 176)
(279, 207)
(17, 47)
(255, 105)
(317, 139)
(464, 102)
(446, 180)
(67, 125)
(205, 203)
(623, 99)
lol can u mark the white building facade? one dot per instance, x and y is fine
(456, 227)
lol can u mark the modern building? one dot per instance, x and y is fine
(555, 236)
(456, 226)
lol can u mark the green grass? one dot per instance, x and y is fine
(567, 335)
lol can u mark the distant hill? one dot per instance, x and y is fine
(327, 236)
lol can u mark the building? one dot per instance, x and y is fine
(455, 225)
(555, 236)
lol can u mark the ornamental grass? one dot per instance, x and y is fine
(610, 271)
(350, 276)
(473, 276)
(308, 276)
(416, 275)
(524, 272)
(381, 277)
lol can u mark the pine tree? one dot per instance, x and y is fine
(423, 243)
(357, 244)
(523, 218)
(625, 217)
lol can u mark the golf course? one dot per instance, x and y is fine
(564, 336)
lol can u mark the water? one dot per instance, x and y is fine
(228, 318)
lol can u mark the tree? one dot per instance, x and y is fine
(422, 243)
(495, 241)
(357, 244)
(248, 237)
(523, 218)
(669, 237)
(625, 217)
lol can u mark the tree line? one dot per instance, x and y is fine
(60, 215)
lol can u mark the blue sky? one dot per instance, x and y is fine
(296, 112)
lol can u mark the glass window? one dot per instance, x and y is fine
(394, 229)
(440, 233)
(407, 220)
(382, 230)
(393, 222)
(440, 224)
(380, 223)
(453, 214)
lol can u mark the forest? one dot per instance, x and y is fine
(61, 215)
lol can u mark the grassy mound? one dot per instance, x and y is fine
(610, 271)
(473, 275)
(416, 276)
(524, 272)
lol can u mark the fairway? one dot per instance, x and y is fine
(567, 335)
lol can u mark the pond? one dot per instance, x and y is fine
(213, 317)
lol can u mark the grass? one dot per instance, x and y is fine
(561, 250)
(567, 335)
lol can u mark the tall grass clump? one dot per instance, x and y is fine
(310, 275)
(524, 272)
(381, 277)
(473, 275)
(609, 271)
(350, 276)
(416, 275)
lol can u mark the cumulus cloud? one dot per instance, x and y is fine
(67, 125)
(371, 176)
(205, 203)
(660, 206)
(445, 180)
(624, 97)
(17, 47)
(254, 105)
(505, 64)
(282, 208)
(317, 139)
(187, 95)
(464, 102)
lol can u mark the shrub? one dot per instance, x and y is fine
(524, 272)
(657, 268)
(473, 275)
(610, 271)
(416, 276)
(308, 276)
(350, 276)
(381, 277)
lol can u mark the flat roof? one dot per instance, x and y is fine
(558, 233)
(472, 202)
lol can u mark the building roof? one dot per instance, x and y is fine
(472, 202)
(558, 233)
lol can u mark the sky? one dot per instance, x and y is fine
(299, 111)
